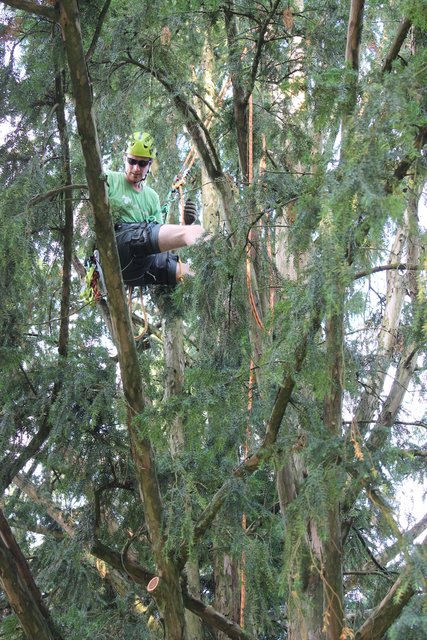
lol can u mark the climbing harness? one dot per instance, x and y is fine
(95, 288)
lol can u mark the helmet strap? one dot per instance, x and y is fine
(145, 177)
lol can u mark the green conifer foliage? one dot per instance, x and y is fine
(298, 395)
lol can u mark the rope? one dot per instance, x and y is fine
(250, 141)
(181, 203)
(243, 580)
(144, 329)
(246, 454)
(252, 302)
(262, 167)
(251, 369)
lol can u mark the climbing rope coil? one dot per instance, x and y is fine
(144, 328)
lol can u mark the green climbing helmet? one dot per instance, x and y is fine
(141, 144)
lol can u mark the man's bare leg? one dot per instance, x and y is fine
(183, 270)
(176, 236)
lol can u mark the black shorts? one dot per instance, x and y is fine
(140, 258)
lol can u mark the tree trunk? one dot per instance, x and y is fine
(305, 603)
(168, 593)
(227, 588)
(21, 590)
(240, 95)
(387, 337)
(305, 610)
(194, 623)
(316, 610)
(331, 553)
(173, 343)
(213, 212)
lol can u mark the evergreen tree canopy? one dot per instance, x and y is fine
(251, 465)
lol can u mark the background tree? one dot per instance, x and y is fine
(262, 439)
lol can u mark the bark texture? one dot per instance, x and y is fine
(173, 343)
(389, 609)
(168, 596)
(21, 590)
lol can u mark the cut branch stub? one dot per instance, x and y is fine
(153, 584)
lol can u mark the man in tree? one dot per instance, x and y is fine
(144, 243)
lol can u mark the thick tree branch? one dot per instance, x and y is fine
(354, 33)
(54, 192)
(387, 336)
(141, 576)
(68, 230)
(240, 94)
(209, 514)
(416, 453)
(386, 419)
(68, 526)
(284, 394)
(54, 512)
(404, 165)
(259, 47)
(22, 592)
(211, 616)
(416, 423)
(407, 538)
(11, 464)
(31, 7)
(393, 402)
(386, 612)
(399, 266)
(43, 531)
(368, 572)
(97, 33)
(396, 45)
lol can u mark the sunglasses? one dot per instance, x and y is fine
(140, 163)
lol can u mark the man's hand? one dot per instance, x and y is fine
(190, 212)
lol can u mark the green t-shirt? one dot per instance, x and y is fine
(129, 205)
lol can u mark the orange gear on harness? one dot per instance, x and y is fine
(95, 288)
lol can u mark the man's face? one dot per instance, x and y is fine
(136, 168)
